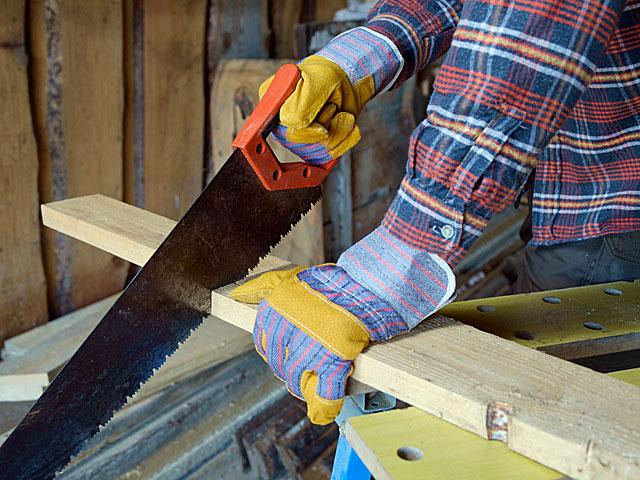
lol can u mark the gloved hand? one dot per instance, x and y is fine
(318, 120)
(313, 322)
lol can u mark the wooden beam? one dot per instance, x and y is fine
(164, 118)
(579, 422)
(23, 303)
(108, 224)
(78, 99)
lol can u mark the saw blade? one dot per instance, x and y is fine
(225, 233)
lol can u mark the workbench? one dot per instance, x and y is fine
(598, 326)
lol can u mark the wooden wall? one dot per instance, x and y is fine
(22, 285)
(110, 96)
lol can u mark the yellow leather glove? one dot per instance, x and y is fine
(318, 120)
(311, 325)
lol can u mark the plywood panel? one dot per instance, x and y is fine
(22, 286)
(78, 99)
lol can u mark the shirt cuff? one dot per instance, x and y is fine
(362, 52)
(461, 170)
(415, 283)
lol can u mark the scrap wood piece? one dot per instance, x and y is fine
(46, 350)
(165, 82)
(55, 331)
(579, 422)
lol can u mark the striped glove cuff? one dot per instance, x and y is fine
(362, 52)
(413, 282)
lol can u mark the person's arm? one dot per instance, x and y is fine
(421, 30)
(513, 73)
(415, 31)
(318, 121)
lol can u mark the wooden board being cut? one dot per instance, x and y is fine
(23, 303)
(108, 224)
(579, 422)
(78, 99)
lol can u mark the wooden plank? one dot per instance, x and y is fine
(230, 21)
(337, 199)
(78, 104)
(54, 331)
(109, 224)
(245, 19)
(22, 286)
(326, 9)
(26, 376)
(284, 15)
(233, 97)
(165, 82)
(477, 381)
(579, 422)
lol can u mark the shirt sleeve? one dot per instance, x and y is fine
(420, 29)
(512, 75)
(401, 37)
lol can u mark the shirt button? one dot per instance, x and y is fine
(447, 231)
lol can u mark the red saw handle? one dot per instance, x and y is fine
(251, 139)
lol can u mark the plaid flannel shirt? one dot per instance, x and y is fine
(545, 83)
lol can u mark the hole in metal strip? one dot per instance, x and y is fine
(524, 335)
(612, 291)
(593, 325)
(553, 300)
(486, 308)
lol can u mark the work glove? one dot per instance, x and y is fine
(318, 120)
(313, 322)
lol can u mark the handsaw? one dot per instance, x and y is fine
(245, 210)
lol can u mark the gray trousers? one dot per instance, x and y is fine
(575, 264)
